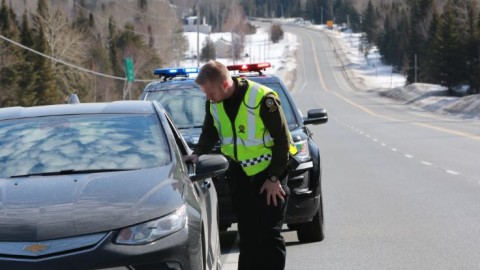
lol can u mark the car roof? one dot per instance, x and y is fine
(116, 107)
(263, 78)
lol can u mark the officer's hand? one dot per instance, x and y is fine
(190, 158)
(273, 190)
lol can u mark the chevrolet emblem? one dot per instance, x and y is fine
(35, 248)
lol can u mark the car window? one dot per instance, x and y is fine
(185, 104)
(286, 106)
(81, 142)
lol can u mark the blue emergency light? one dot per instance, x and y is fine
(175, 72)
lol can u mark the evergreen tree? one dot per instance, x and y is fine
(112, 47)
(208, 51)
(45, 86)
(143, 5)
(27, 96)
(9, 57)
(4, 19)
(431, 69)
(448, 50)
(415, 42)
(472, 46)
(370, 22)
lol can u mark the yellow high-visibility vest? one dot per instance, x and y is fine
(247, 140)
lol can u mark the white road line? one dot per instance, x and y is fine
(384, 145)
(427, 163)
(368, 136)
(394, 149)
(375, 140)
(408, 156)
(452, 172)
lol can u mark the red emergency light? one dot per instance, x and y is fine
(257, 67)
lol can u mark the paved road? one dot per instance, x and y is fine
(401, 186)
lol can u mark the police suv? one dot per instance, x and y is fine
(185, 102)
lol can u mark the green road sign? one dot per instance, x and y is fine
(129, 69)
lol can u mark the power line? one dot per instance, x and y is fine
(69, 64)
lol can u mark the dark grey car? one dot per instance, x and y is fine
(100, 186)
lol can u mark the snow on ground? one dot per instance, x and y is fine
(368, 72)
(257, 48)
(365, 71)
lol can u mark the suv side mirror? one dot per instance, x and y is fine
(315, 117)
(209, 166)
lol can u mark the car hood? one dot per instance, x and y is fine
(47, 207)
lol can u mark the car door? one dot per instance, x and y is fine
(207, 195)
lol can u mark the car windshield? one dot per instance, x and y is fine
(81, 142)
(184, 102)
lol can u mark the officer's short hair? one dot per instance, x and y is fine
(212, 71)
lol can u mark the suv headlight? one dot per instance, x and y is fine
(153, 230)
(302, 148)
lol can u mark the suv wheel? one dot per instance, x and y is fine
(312, 231)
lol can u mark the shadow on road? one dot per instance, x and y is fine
(228, 242)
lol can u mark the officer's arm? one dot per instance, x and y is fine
(274, 120)
(209, 136)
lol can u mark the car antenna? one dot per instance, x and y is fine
(73, 99)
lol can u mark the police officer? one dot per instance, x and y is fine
(249, 122)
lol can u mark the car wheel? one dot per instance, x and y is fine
(312, 231)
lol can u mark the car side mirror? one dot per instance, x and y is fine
(209, 166)
(315, 117)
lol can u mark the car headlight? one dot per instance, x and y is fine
(302, 148)
(153, 230)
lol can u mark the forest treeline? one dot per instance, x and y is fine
(429, 41)
(91, 39)
(433, 41)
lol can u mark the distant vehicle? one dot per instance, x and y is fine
(103, 186)
(185, 102)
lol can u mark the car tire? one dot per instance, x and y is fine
(312, 231)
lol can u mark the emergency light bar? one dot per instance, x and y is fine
(258, 67)
(175, 72)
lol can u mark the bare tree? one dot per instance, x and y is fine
(66, 44)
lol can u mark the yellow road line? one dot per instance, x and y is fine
(320, 76)
(372, 113)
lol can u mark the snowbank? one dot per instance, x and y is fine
(257, 48)
(367, 72)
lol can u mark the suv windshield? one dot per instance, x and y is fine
(81, 142)
(286, 106)
(185, 102)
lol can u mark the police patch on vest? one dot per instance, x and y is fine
(271, 105)
(241, 129)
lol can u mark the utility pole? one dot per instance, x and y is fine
(321, 15)
(198, 33)
(415, 68)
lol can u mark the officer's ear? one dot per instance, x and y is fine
(225, 84)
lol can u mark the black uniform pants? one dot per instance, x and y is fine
(259, 225)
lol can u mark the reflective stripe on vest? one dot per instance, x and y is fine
(253, 141)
